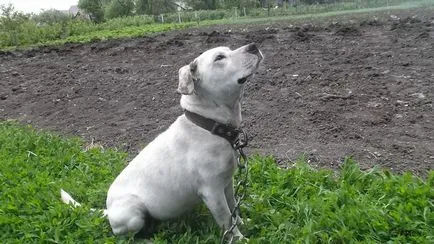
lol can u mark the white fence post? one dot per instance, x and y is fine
(162, 18)
(196, 16)
(179, 17)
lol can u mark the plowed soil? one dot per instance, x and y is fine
(350, 86)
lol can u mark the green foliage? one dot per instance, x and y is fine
(94, 8)
(11, 23)
(203, 4)
(141, 7)
(131, 31)
(155, 7)
(52, 16)
(119, 23)
(295, 205)
(119, 8)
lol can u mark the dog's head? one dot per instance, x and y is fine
(219, 71)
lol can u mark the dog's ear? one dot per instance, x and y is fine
(187, 78)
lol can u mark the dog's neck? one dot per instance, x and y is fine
(229, 113)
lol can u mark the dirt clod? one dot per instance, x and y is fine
(348, 31)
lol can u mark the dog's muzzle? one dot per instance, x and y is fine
(252, 49)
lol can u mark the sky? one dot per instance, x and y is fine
(35, 6)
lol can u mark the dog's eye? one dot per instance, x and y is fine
(219, 57)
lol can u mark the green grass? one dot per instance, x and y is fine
(99, 35)
(296, 205)
(130, 31)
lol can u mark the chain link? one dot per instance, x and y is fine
(240, 190)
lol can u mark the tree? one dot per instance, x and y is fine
(94, 8)
(203, 4)
(119, 8)
(155, 7)
(142, 7)
(52, 16)
(10, 19)
(11, 22)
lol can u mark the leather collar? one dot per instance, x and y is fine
(228, 132)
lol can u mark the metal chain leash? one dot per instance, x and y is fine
(241, 187)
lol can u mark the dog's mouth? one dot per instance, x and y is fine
(244, 79)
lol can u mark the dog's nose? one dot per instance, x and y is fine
(252, 48)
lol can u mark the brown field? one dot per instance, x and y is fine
(355, 86)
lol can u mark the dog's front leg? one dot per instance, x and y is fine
(215, 200)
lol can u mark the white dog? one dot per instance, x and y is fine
(194, 159)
